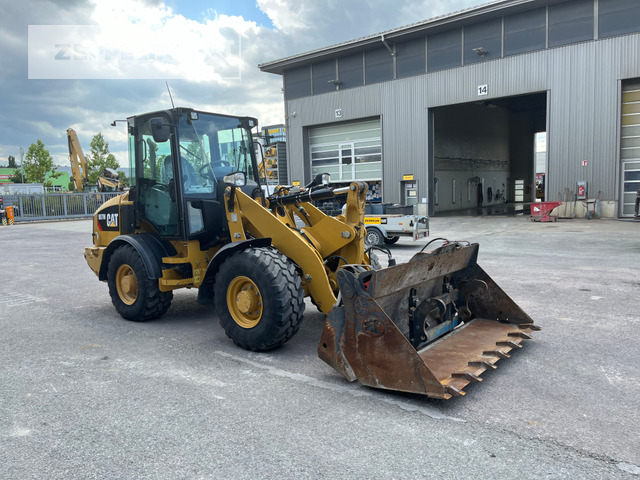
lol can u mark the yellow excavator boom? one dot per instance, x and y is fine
(80, 172)
(78, 162)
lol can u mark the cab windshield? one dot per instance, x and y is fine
(212, 146)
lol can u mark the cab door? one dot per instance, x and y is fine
(154, 175)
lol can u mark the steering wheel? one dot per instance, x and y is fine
(208, 175)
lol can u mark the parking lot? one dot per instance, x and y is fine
(86, 394)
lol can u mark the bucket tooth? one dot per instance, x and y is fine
(523, 335)
(483, 364)
(508, 343)
(496, 353)
(453, 391)
(529, 326)
(467, 376)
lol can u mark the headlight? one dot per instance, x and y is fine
(239, 179)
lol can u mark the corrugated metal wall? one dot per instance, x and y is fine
(583, 85)
(401, 105)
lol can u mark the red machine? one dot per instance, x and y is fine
(540, 212)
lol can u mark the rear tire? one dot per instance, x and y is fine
(391, 240)
(134, 295)
(259, 298)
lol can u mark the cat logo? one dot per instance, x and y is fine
(112, 220)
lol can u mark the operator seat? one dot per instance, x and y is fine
(189, 175)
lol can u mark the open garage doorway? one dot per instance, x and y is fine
(484, 153)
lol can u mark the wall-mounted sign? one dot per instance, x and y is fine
(483, 90)
(338, 113)
(584, 163)
(296, 184)
(407, 177)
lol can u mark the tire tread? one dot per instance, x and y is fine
(154, 302)
(287, 295)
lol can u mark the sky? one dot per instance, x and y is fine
(83, 63)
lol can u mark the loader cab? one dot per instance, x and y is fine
(178, 159)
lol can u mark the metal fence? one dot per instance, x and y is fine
(51, 206)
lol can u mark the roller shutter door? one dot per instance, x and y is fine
(630, 145)
(350, 151)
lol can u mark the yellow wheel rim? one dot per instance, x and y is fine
(244, 302)
(127, 284)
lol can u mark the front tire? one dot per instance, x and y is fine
(259, 298)
(134, 295)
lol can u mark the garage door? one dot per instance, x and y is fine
(630, 145)
(351, 151)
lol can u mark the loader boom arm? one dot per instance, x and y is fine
(321, 239)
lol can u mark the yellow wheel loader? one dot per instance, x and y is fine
(196, 216)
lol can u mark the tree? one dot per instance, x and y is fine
(38, 165)
(16, 177)
(123, 178)
(100, 158)
(12, 162)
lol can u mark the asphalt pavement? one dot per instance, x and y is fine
(86, 394)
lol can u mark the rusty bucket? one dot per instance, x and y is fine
(429, 326)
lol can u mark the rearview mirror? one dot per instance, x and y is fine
(160, 129)
(320, 179)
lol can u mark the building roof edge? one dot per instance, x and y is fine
(280, 65)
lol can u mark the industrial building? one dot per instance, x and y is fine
(512, 101)
(7, 187)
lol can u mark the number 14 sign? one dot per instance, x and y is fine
(483, 90)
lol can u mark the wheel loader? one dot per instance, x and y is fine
(196, 216)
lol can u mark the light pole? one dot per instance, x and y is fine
(22, 163)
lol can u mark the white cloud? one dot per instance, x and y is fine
(155, 42)
(289, 16)
(40, 126)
